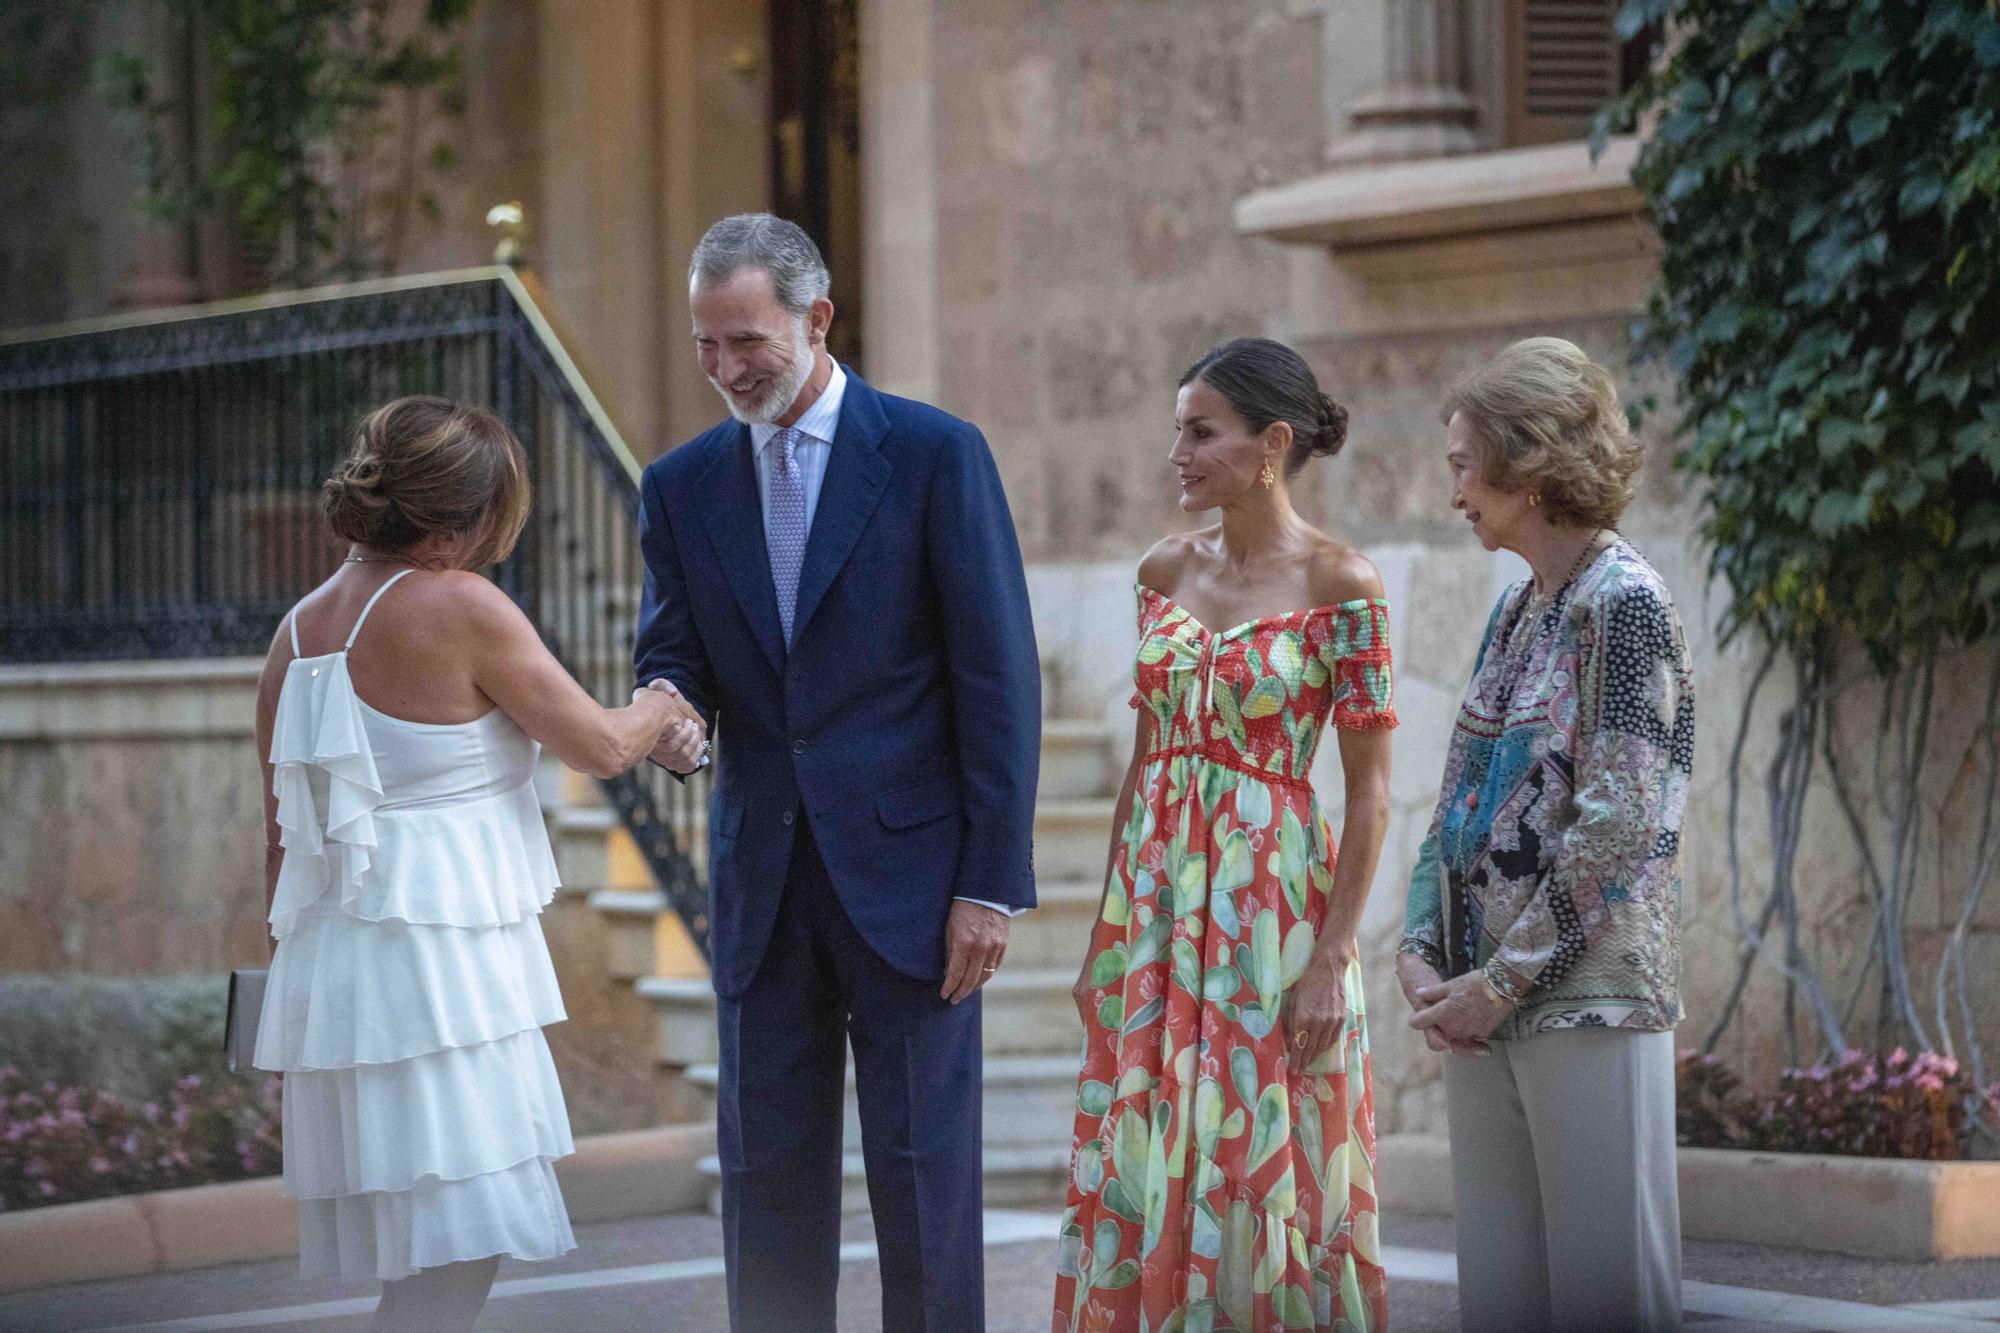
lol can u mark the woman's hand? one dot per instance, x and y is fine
(1414, 974)
(681, 732)
(1081, 992)
(1316, 1008)
(1462, 1011)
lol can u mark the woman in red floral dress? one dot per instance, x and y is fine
(1222, 1168)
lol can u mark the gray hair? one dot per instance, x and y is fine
(760, 240)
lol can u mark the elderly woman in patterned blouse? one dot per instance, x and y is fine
(1541, 947)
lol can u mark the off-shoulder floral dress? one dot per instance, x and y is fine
(1214, 1186)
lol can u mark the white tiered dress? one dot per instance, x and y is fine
(411, 984)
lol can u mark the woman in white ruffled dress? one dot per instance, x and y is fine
(402, 710)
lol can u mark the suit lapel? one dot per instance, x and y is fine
(733, 513)
(856, 476)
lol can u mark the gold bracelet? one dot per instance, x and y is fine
(1493, 992)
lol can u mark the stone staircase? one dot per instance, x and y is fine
(1033, 1037)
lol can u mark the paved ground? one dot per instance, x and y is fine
(664, 1273)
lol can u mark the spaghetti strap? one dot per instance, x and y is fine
(362, 619)
(292, 619)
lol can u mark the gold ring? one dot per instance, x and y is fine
(1299, 1040)
(992, 969)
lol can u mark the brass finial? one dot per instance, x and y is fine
(510, 221)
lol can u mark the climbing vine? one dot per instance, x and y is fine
(312, 126)
(1825, 180)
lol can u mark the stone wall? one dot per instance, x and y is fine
(1088, 159)
(131, 828)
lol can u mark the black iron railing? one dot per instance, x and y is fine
(159, 483)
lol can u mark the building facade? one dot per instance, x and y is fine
(1039, 212)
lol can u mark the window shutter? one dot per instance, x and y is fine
(1565, 62)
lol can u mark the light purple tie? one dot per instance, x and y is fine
(787, 525)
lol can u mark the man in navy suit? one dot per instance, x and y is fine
(833, 583)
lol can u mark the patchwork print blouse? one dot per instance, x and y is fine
(1554, 859)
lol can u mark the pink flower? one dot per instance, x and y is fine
(1898, 1056)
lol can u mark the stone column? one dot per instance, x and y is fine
(1424, 108)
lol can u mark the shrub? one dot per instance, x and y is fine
(1922, 1107)
(62, 1145)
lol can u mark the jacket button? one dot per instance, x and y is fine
(798, 747)
(789, 816)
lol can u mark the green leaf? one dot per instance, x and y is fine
(1270, 1127)
(1131, 1142)
(1266, 697)
(1187, 967)
(1243, 1073)
(1267, 963)
(1124, 1275)
(1146, 1013)
(1111, 1013)
(1296, 954)
(1236, 866)
(1253, 803)
(1152, 939)
(1108, 966)
(1088, 1169)
(1093, 1098)
(1221, 982)
(1291, 1306)
(1866, 124)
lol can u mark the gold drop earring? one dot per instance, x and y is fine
(1268, 476)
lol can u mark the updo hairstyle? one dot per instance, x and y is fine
(424, 467)
(1266, 381)
(1547, 419)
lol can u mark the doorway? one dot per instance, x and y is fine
(816, 145)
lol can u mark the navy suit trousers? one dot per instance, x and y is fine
(818, 988)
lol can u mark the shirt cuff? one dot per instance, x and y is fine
(1001, 908)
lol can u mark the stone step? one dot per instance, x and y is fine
(1027, 1012)
(1009, 1178)
(1034, 1015)
(631, 930)
(1026, 1101)
(1056, 933)
(1072, 838)
(1076, 760)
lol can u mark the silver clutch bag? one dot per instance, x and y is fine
(246, 1006)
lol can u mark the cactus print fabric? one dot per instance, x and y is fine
(1213, 1185)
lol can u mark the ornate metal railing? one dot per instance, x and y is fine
(159, 481)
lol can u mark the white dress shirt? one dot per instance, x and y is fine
(816, 427)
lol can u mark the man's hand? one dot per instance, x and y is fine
(680, 744)
(977, 939)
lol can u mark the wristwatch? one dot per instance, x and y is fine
(701, 759)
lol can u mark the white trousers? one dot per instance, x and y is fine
(1562, 1160)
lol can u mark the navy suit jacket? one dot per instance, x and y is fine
(904, 723)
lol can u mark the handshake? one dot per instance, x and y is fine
(681, 741)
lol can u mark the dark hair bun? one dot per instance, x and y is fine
(360, 508)
(1332, 429)
(1266, 381)
(424, 466)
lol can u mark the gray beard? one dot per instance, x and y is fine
(784, 390)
